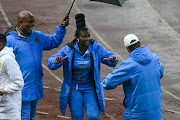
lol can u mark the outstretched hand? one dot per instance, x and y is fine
(111, 59)
(59, 59)
(65, 22)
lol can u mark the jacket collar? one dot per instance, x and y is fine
(20, 34)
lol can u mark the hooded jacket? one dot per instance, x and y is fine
(98, 54)
(140, 76)
(28, 53)
(11, 81)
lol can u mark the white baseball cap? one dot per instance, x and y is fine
(128, 38)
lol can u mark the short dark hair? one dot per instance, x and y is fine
(3, 39)
(134, 46)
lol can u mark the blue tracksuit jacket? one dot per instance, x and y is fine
(98, 55)
(28, 54)
(140, 76)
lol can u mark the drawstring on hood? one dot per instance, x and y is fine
(142, 55)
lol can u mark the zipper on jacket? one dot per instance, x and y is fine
(28, 40)
(33, 57)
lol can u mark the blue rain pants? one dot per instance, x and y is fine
(28, 110)
(86, 98)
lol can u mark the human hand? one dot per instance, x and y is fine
(59, 59)
(111, 59)
(65, 22)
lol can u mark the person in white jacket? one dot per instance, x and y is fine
(11, 83)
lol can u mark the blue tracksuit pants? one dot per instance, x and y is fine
(86, 98)
(28, 110)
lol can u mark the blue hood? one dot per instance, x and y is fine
(142, 55)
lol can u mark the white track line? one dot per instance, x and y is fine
(172, 111)
(45, 87)
(59, 116)
(55, 76)
(43, 113)
(169, 93)
(111, 118)
(4, 15)
(108, 99)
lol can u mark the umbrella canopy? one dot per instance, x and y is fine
(114, 2)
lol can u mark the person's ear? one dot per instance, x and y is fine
(128, 49)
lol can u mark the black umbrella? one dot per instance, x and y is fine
(114, 2)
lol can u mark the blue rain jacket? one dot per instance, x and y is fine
(140, 76)
(28, 54)
(98, 55)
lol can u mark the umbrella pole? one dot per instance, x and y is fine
(71, 8)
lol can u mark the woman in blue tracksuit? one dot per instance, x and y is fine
(81, 70)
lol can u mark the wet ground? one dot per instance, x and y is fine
(155, 22)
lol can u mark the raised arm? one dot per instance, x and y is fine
(53, 41)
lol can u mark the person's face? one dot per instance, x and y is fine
(27, 24)
(84, 38)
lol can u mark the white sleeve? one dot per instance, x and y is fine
(14, 73)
